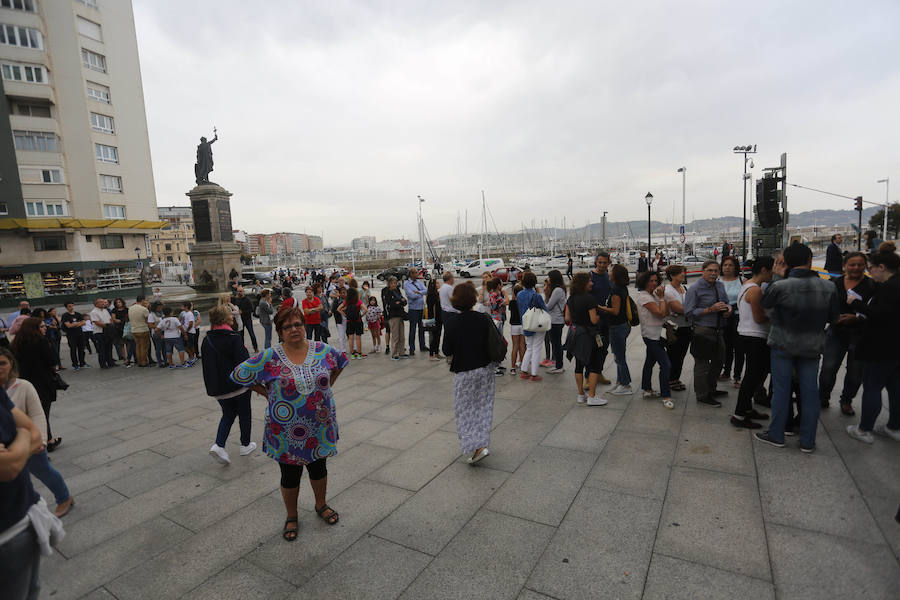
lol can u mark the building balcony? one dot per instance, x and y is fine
(22, 90)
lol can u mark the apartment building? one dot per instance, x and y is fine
(282, 244)
(77, 199)
(169, 246)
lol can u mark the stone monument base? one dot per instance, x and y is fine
(212, 263)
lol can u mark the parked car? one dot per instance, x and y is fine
(401, 273)
(477, 267)
(503, 273)
(250, 277)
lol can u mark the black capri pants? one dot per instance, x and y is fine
(290, 474)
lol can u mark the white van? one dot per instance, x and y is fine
(477, 267)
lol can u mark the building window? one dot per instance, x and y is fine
(89, 29)
(45, 209)
(111, 242)
(4, 209)
(13, 35)
(98, 92)
(92, 60)
(18, 4)
(27, 73)
(113, 211)
(107, 154)
(36, 141)
(169, 260)
(46, 243)
(102, 123)
(40, 175)
(168, 247)
(51, 176)
(33, 110)
(111, 184)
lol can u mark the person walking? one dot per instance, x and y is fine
(534, 340)
(842, 338)
(753, 328)
(643, 264)
(619, 328)
(433, 306)
(652, 310)
(879, 351)
(582, 314)
(706, 306)
(26, 399)
(731, 280)
(224, 349)
(301, 428)
(556, 306)
(834, 260)
(138, 315)
(265, 311)
(801, 306)
(37, 363)
(569, 266)
(415, 296)
(393, 307)
(245, 305)
(678, 331)
(104, 332)
(466, 343)
(72, 323)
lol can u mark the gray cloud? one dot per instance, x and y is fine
(334, 116)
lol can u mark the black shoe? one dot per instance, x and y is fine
(763, 436)
(847, 409)
(719, 393)
(411, 353)
(387, 349)
(709, 402)
(807, 449)
(824, 404)
(744, 423)
(763, 401)
(756, 415)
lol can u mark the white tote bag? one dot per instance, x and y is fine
(536, 319)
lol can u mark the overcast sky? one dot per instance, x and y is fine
(333, 116)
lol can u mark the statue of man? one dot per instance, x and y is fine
(204, 160)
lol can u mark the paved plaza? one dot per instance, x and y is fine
(629, 500)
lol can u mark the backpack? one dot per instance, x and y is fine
(631, 313)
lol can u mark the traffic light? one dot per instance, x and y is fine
(859, 204)
(767, 202)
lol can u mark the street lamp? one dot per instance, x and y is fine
(143, 278)
(421, 231)
(745, 150)
(887, 203)
(683, 171)
(649, 200)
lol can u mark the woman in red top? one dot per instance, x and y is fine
(312, 311)
(352, 309)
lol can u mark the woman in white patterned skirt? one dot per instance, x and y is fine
(466, 343)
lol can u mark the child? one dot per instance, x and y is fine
(517, 348)
(374, 319)
(172, 332)
(497, 310)
(188, 328)
(352, 309)
(339, 319)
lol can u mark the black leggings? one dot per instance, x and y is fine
(758, 368)
(290, 474)
(733, 350)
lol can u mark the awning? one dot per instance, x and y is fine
(69, 223)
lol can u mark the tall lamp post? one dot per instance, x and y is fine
(421, 231)
(745, 150)
(143, 278)
(683, 171)
(887, 204)
(649, 200)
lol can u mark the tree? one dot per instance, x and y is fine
(876, 221)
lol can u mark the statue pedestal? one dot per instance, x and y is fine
(215, 254)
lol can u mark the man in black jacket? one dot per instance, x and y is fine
(223, 350)
(246, 307)
(833, 256)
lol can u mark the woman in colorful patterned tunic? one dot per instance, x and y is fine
(301, 427)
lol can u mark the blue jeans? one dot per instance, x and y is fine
(159, 348)
(837, 344)
(268, 338)
(877, 375)
(618, 336)
(39, 466)
(656, 353)
(238, 406)
(785, 368)
(20, 561)
(415, 322)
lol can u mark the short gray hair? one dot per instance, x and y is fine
(391, 280)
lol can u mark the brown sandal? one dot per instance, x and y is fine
(331, 519)
(290, 535)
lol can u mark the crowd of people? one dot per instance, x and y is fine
(775, 325)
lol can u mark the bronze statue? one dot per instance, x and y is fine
(204, 159)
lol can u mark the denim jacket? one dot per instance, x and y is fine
(801, 306)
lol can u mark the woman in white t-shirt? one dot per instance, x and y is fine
(159, 344)
(172, 330)
(677, 348)
(753, 331)
(652, 311)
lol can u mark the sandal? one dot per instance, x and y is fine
(54, 444)
(290, 535)
(667, 402)
(331, 519)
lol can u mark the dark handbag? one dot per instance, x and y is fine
(58, 382)
(496, 344)
(671, 332)
(703, 347)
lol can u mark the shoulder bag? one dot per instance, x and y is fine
(535, 318)
(496, 343)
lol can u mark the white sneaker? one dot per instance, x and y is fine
(650, 394)
(555, 370)
(218, 453)
(594, 401)
(581, 399)
(883, 429)
(622, 390)
(858, 434)
(245, 450)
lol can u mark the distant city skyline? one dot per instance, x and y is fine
(333, 117)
